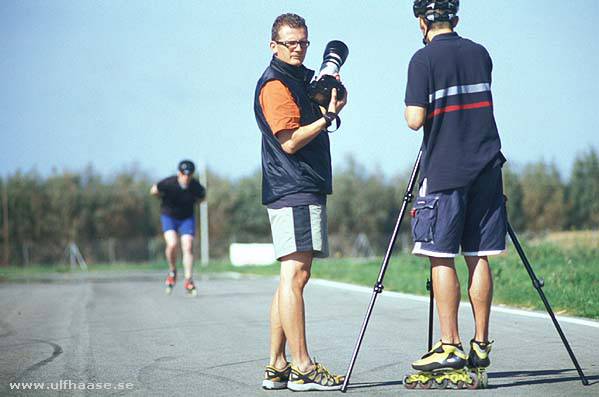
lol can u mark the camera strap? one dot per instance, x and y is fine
(329, 117)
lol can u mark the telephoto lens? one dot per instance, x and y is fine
(335, 54)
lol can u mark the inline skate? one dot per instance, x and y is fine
(171, 278)
(478, 361)
(444, 366)
(190, 288)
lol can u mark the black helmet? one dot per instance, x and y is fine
(187, 167)
(436, 10)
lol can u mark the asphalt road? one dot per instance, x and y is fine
(124, 332)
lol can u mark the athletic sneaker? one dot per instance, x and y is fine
(316, 379)
(442, 356)
(479, 354)
(275, 379)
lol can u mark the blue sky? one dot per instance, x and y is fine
(117, 83)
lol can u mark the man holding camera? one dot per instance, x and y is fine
(460, 200)
(296, 178)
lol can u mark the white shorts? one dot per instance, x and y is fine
(298, 229)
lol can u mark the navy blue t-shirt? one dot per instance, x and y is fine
(177, 201)
(451, 78)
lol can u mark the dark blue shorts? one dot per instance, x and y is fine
(473, 216)
(181, 226)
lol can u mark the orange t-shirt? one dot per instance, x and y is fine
(280, 110)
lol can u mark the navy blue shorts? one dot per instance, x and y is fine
(181, 226)
(473, 216)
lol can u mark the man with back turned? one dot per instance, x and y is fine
(296, 179)
(460, 201)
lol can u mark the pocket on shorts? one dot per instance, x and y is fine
(424, 218)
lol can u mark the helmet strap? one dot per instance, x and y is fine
(428, 26)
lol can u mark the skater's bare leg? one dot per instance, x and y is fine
(446, 289)
(278, 358)
(480, 292)
(295, 273)
(187, 248)
(170, 237)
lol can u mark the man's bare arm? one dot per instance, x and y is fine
(293, 140)
(415, 116)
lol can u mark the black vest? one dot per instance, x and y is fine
(309, 169)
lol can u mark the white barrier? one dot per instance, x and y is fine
(251, 254)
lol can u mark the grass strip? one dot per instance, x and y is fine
(570, 275)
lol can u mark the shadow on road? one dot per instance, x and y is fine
(368, 385)
(530, 375)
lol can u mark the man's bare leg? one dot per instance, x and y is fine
(170, 237)
(446, 288)
(295, 273)
(278, 359)
(480, 292)
(187, 249)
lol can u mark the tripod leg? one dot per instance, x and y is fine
(431, 309)
(359, 342)
(378, 287)
(538, 285)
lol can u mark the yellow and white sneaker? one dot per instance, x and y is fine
(275, 379)
(319, 378)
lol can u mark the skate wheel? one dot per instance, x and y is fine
(483, 379)
(192, 293)
(443, 385)
(408, 385)
(168, 290)
(475, 382)
(427, 385)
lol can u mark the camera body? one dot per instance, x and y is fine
(319, 90)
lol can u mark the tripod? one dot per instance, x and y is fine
(378, 287)
(538, 284)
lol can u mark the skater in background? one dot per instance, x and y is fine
(296, 178)
(460, 201)
(179, 193)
